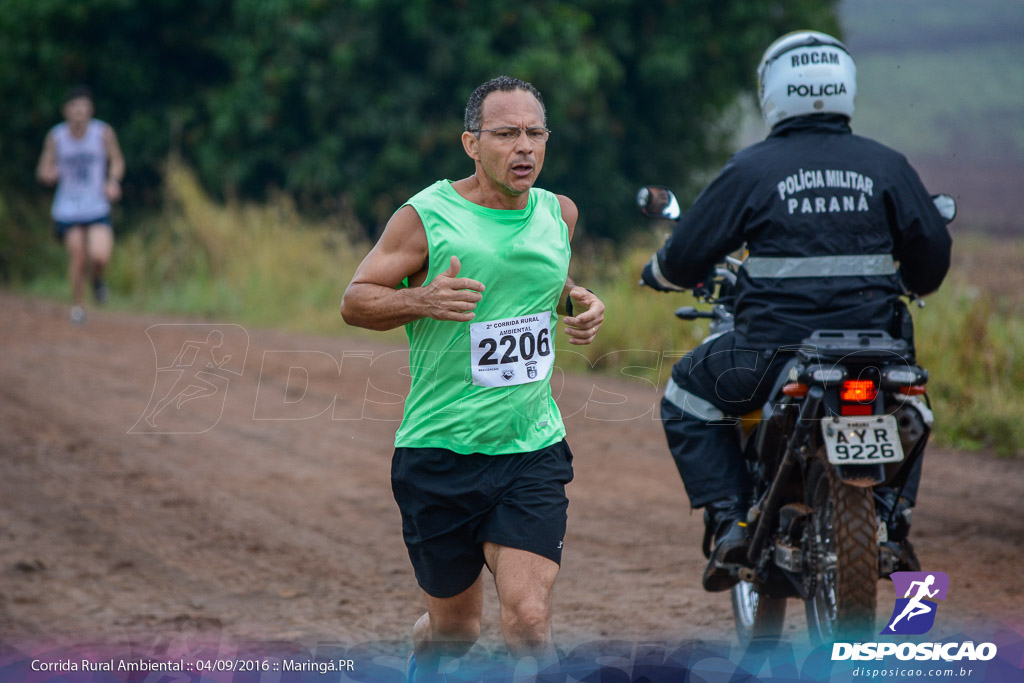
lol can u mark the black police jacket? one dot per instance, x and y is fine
(831, 220)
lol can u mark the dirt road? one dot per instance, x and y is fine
(255, 501)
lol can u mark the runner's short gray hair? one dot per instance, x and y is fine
(474, 107)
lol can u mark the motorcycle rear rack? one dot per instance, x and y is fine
(838, 344)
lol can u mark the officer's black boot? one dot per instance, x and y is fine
(726, 521)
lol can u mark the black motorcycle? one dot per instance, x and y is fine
(846, 420)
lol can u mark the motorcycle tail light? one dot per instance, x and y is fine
(858, 391)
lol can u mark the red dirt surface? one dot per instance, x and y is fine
(263, 509)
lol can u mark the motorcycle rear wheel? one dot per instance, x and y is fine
(842, 551)
(758, 617)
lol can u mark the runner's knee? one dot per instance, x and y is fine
(76, 256)
(101, 242)
(458, 634)
(528, 623)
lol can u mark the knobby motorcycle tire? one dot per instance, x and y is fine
(844, 598)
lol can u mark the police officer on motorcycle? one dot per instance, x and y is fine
(836, 227)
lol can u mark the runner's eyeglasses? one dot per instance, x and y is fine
(536, 134)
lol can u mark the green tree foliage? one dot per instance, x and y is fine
(351, 106)
(149, 63)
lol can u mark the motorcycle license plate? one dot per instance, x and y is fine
(862, 440)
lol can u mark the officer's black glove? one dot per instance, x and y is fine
(647, 278)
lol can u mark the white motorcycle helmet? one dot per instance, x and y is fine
(806, 72)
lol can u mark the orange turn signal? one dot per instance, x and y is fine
(795, 389)
(914, 390)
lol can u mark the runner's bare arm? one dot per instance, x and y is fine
(115, 171)
(581, 328)
(570, 214)
(374, 299)
(46, 171)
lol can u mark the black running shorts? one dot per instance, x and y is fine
(60, 229)
(451, 504)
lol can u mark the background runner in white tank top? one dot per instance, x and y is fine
(80, 195)
(82, 157)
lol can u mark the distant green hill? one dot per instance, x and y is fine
(943, 82)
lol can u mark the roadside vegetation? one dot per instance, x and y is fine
(266, 266)
(305, 123)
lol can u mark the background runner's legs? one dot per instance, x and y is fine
(75, 243)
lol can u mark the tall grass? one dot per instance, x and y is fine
(971, 338)
(262, 265)
(267, 266)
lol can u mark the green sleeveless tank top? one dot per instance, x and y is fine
(484, 386)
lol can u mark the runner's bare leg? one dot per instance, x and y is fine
(525, 582)
(448, 629)
(101, 244)
(74, 242)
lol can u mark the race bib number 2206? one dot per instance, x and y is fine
(512, 351)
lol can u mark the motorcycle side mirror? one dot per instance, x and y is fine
(657, 201)
(946, 206)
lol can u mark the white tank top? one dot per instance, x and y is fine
(82, 163)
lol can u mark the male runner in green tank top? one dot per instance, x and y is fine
(477, 272)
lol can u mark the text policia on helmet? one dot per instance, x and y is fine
(806, 72)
